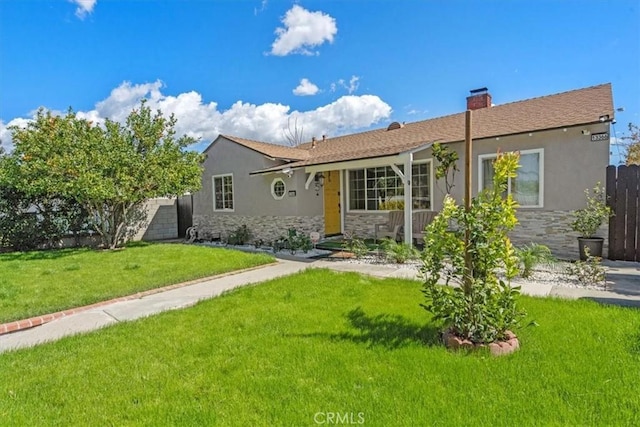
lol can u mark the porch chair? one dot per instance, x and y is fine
(392, 227)
(420, 220)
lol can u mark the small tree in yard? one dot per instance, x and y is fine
(483, 308)
(447, 165)
(110, 171)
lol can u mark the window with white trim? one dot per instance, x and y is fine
(278, 188)
(223, 192)
(527, 187)
(380, 188)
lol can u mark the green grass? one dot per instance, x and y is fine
(35, 283)
(281, 352)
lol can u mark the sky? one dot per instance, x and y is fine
(252, 68)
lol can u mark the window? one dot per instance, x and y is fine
(278, 188)
(381, 188)
(223, 192)
(527, 187)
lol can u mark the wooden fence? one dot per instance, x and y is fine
(185, 214)
(623, 196)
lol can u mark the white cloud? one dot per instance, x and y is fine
(354, 83)
(302, 30)
(346, 114)
(305, 88)
(263, 7)
(6, 141)
(84, 8)
(412, 111)
(264, 122)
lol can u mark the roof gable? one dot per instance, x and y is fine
(274, 151)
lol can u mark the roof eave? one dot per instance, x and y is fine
(501, 135)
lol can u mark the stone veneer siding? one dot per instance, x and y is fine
(550, 228)
(267, 227)
(363, 225)
(553, 229)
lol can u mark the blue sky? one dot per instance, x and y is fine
(246, 67)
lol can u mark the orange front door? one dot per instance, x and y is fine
(332, 223)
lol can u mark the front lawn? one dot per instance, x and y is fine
(42, 282)
(300, 348)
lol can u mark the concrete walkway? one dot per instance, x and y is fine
(121, 311)
(624, 278)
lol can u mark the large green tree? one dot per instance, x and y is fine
(110, 170)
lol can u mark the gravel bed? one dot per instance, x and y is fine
(313, 253)
(554, 275)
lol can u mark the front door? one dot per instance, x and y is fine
(332, 203)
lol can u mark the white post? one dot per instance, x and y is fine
(408, 218)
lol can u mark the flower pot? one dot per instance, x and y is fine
(593, 244)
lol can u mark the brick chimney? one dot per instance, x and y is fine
(479, 98)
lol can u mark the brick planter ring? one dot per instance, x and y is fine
(498, 348)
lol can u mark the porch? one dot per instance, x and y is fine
(359, 194)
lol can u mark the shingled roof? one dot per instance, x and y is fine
(275, 151)
(573, 108)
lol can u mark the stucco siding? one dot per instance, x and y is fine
(308, 202)
(254, 205)
(572, 163)
(252, 193)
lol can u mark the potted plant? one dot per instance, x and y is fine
(588, 220)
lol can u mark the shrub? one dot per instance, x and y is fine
(391, 205)
(279, 244)
(531, 255)
(304, 243)
(292, 242)
(588, 272)
(483, 307)
(240, 236)
(589, 219)
(28, 223)
(355, 245)
(398, 252)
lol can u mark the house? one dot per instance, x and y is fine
(337, 184)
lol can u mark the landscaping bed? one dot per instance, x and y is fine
(298, 253)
